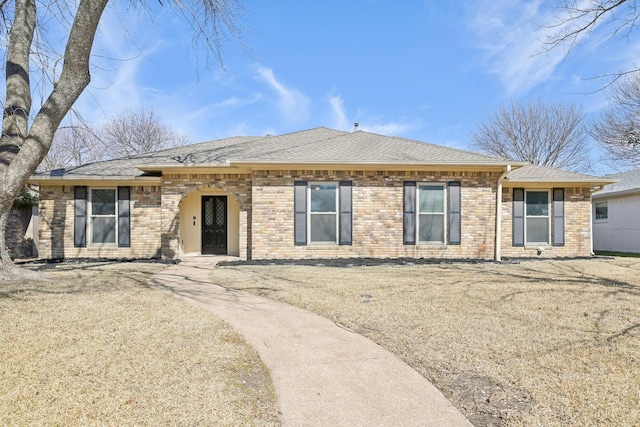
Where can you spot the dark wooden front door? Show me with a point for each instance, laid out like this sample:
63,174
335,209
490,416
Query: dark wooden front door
214,225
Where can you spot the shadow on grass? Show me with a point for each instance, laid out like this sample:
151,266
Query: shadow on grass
555,281
77,276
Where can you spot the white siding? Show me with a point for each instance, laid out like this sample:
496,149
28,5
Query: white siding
620,232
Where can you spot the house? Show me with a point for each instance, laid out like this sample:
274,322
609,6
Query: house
319,193
616,214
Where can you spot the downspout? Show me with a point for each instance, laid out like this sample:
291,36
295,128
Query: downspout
499,213
597,190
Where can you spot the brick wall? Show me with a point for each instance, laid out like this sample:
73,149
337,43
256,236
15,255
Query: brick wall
56,225
18,235
377,215
177,186
266,217
577,224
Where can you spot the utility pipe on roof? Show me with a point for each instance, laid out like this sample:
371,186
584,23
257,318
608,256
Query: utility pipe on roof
499,213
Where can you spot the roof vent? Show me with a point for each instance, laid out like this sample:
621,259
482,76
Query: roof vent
355,126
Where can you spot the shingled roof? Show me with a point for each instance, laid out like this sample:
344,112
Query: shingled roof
543,174
313,146
629,182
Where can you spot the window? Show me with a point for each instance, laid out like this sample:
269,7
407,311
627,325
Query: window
432,213
102,214
103,223
602,210
323,216
431,218
322,213
537,217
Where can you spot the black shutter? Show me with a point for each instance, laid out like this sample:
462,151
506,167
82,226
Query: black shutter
79,217
124,217
345,208
455,217
518,216
300,212
409,213
558,217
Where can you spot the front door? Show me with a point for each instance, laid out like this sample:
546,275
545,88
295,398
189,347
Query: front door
214,225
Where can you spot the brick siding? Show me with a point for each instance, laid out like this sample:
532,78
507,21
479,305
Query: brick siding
377,215
57,217
577,227
177,186
266,217
20,244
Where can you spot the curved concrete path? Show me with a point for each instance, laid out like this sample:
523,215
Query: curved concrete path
324,375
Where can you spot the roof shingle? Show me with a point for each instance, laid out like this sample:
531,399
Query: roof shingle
534,173
629,182
318,145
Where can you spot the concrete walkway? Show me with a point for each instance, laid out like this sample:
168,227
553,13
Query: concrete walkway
324,375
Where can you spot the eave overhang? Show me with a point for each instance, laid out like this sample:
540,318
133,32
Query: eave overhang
614,194
395,166
533,183
94,180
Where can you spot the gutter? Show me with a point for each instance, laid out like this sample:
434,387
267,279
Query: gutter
597,190
499,213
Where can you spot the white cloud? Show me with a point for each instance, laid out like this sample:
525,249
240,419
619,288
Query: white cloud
339,113
366,121
293,104
117,59
511,34
388,128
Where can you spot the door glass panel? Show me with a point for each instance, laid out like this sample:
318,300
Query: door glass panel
220,208
208,212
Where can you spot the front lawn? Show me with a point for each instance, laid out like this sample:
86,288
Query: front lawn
547,343
95,346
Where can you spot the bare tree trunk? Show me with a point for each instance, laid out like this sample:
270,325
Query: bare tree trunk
5,259
22,149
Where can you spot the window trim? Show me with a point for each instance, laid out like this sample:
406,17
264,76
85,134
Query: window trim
549,215
444,213
91,216
595,211
336,213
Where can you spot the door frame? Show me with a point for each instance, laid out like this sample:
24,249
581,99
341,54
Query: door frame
221,250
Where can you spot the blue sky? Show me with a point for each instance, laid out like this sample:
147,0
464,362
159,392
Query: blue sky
426,70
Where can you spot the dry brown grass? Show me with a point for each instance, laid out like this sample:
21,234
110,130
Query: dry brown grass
96,346
539,343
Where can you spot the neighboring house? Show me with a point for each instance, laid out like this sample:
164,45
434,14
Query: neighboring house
319,193
616,214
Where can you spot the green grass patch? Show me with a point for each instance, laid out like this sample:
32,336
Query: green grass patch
622,254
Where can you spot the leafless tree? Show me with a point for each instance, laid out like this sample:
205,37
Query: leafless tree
72,146
618,128
27,134
576,19
543,134
136,132
132,132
